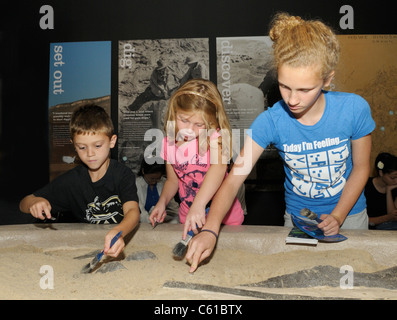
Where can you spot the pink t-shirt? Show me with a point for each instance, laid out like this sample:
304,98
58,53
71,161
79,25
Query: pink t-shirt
191,168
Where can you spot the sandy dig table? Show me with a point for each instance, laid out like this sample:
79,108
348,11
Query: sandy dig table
43,261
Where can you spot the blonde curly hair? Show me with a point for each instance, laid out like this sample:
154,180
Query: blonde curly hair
301,43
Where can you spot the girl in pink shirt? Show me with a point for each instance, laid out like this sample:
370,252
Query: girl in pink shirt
197,150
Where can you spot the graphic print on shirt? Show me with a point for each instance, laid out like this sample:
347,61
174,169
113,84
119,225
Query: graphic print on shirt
191,169
318,174
191,187
108,211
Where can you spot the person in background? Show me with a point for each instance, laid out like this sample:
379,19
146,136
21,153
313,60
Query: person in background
150,183
197,70
381,193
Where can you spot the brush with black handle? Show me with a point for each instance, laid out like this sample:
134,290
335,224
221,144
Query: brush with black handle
46,219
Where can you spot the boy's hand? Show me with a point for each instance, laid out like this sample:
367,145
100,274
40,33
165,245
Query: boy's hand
117,248
38,206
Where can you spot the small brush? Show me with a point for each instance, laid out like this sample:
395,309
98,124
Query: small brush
180,248
310,214
313,216
91,266
47,219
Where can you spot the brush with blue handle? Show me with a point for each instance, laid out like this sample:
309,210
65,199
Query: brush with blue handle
91,266
180,248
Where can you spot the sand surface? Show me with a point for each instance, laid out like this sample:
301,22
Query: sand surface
144,279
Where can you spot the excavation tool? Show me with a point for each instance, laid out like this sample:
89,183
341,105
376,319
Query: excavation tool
94,262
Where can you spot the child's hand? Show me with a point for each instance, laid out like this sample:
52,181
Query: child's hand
200,248
38,206
118,246
330,225
158,214
195,219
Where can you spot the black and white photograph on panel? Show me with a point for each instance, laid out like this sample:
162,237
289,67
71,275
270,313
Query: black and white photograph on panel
150,71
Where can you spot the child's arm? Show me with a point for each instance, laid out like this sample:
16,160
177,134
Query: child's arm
211,183
35,206
390,204
392,216
169,190
361,150
202,245
129,222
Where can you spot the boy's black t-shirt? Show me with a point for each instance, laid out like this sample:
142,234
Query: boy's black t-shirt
99,202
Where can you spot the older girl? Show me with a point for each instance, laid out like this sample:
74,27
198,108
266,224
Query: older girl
323,137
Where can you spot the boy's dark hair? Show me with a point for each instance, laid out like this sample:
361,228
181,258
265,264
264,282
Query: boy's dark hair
386,162
91,119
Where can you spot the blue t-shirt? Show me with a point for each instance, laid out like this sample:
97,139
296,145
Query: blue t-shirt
318,158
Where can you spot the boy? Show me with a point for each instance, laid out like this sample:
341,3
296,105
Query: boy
99,191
